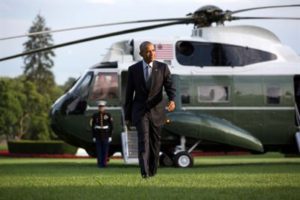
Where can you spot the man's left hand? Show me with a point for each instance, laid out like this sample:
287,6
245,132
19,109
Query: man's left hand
171,106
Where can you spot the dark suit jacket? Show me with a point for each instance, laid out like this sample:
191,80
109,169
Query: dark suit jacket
140,100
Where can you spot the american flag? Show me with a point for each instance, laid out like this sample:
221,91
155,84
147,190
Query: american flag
164,51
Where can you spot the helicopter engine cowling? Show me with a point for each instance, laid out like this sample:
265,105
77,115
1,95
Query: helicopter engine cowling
205,127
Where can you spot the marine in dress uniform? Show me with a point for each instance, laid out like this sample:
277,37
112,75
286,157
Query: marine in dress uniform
102,126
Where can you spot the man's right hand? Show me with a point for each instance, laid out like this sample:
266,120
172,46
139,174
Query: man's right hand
127,122
94,139
171,106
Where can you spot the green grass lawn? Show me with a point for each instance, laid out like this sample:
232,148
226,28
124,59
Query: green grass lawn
269,176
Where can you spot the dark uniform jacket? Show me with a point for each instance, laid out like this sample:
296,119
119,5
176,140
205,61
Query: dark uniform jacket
102,125
141,99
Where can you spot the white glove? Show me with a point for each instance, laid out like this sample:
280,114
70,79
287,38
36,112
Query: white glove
94,139
109,139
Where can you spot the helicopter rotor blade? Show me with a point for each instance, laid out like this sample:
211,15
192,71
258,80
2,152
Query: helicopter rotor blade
273,18
143,28
93,26
264,7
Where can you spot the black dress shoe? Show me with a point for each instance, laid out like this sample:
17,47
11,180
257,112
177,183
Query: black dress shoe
145,176
152,174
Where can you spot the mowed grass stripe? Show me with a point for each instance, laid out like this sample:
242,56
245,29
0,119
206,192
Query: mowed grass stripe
228,177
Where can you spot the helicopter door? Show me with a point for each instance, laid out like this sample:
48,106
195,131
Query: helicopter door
106,87
297,97
124,75
129,137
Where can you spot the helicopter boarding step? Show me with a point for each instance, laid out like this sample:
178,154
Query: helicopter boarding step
130,146
298,140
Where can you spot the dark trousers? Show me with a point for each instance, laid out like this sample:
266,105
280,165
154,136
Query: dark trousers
102,151
148,145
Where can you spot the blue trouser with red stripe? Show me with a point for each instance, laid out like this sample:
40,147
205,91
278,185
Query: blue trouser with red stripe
102,152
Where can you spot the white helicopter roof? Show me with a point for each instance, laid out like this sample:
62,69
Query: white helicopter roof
231,32
287,62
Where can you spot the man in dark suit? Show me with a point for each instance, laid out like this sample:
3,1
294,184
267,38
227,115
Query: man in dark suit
144,105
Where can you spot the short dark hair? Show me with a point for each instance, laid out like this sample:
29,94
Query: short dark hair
144,44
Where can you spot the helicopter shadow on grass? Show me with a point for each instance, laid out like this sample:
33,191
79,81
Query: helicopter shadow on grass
245,167
247,164
80,164
67,166
89,166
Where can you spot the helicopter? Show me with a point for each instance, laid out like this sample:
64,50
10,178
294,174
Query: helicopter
237,89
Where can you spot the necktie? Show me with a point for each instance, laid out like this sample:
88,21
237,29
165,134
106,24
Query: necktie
147,73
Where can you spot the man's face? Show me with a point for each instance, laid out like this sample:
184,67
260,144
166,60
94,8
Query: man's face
101,108
148,53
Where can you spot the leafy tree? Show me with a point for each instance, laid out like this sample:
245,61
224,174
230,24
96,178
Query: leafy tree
24,111
39,85
38,65
10,108
26,100
35,105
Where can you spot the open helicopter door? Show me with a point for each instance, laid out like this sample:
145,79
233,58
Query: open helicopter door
129,136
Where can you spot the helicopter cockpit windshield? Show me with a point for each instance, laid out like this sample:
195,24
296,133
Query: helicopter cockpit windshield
76,99
82,87
88,90
193,53
105,87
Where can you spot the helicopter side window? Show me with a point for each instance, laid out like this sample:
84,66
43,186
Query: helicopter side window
273,95
105,87
213,94
185,96
185,89
185,48
215,54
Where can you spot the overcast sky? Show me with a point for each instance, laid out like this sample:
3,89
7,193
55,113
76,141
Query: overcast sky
16,17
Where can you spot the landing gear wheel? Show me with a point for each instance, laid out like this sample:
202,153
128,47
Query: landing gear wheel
183,159
165,160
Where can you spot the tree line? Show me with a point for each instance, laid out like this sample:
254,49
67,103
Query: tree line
26,100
